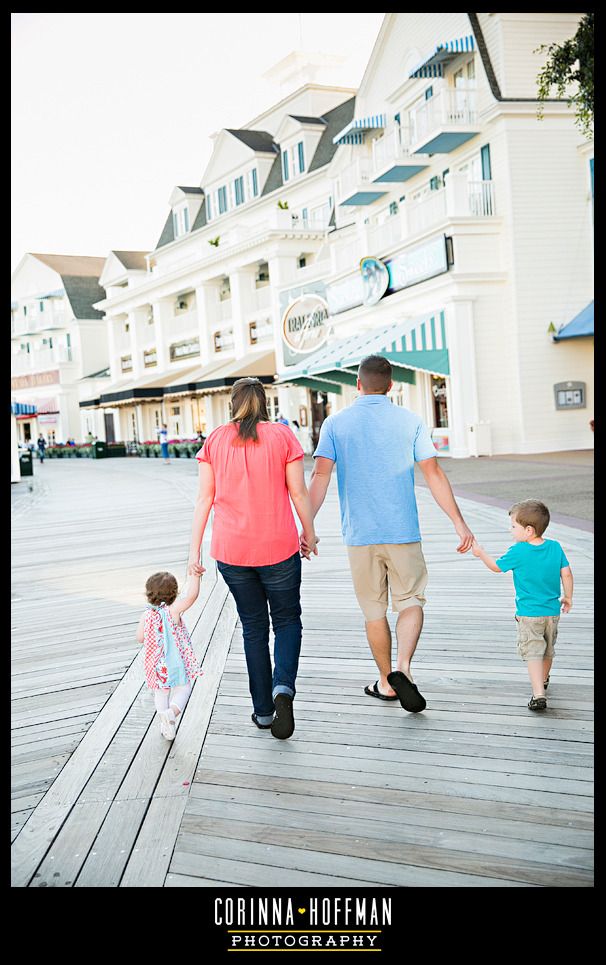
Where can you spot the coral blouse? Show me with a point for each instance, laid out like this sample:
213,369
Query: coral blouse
254,523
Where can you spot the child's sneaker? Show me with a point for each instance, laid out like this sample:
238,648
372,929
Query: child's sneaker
167,724
537,703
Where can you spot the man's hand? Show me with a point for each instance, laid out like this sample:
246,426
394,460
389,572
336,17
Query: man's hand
308,545
466,537
566,602
195,569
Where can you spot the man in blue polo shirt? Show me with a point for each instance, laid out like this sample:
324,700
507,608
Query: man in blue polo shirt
375,445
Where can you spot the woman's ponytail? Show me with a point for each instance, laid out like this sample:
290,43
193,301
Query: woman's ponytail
249,406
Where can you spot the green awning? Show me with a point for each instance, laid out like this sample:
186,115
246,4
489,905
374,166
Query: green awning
416,345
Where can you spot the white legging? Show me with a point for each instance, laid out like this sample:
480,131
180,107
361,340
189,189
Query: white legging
178,696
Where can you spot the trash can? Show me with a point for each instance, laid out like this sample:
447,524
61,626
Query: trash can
99,450
26,464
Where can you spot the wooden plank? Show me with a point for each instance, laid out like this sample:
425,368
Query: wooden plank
110,852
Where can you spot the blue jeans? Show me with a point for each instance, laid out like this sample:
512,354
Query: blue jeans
164,449
253,589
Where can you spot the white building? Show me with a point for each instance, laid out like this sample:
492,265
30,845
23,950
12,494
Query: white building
477,219
57,339
204,309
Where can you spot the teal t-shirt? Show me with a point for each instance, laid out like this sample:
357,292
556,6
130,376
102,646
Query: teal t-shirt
536,577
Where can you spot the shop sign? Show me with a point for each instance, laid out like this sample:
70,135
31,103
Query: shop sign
40,378
418,264
304,323
375,280
47,420
345,294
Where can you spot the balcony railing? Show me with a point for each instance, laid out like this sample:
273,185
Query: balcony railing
39,360
392,159
385,235
448,111
426,211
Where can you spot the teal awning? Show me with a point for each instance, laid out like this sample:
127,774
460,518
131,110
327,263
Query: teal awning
353,133
20,408
413,345
581,326
433,65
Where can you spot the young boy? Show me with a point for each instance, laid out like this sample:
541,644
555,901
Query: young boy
538,565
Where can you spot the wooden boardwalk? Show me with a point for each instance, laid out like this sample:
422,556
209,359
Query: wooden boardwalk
475,792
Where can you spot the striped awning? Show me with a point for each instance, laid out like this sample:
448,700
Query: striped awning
21,408
581,326
47,406
353,133
433,65
413,345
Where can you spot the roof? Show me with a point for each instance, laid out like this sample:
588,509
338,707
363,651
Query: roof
80,276
307,120
134,260
274,179
335,120
260,141
74,265
200,220
168,232
190,190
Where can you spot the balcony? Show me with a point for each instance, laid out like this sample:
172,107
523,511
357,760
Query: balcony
444,122
392,160
355,187
40,360
459,199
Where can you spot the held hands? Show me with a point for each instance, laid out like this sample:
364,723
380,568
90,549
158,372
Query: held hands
476,549
466,537
566,602
195,569
308,545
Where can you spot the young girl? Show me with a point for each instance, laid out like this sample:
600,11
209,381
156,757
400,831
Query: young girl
170,662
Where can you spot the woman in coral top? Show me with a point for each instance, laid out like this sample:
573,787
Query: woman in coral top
248,469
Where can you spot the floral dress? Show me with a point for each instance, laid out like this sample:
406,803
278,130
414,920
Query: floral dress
169,657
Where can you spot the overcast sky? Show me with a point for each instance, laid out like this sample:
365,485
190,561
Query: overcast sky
110,111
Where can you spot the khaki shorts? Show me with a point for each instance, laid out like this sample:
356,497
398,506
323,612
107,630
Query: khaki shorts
383,567
537,636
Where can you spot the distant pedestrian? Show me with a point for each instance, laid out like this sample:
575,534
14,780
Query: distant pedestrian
170,662
538,566
41,447
163,437
201,438
282,419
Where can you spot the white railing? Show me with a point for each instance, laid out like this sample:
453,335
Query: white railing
353,176
481,199
426,212
346,255
261,330
385,235
449,107
224,339
39,360
393,146
184,323
225,310
263,297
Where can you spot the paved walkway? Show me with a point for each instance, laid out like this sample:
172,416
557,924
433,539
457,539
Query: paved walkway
476,791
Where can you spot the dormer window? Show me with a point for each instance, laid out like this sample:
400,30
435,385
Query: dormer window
180,221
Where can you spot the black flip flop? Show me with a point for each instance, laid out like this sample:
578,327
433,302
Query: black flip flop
408,693
283,723
254,719
375,692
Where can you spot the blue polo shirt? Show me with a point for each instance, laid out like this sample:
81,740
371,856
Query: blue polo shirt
536,576
375,445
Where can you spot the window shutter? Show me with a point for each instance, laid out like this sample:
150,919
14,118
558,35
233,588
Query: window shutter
285,165
486,169
301,157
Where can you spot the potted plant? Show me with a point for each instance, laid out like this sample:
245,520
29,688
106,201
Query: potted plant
214,241
283,205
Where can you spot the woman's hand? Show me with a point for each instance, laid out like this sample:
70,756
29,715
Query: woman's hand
195,569
308,544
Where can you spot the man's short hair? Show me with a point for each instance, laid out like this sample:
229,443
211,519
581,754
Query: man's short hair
531,512
374,373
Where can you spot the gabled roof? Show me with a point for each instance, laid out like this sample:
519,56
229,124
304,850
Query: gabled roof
168,233
72,264
190,190
132,260
335,120
274,178
80,276
260,141
200,220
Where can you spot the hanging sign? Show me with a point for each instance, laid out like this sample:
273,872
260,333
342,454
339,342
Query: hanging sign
304,323
375,280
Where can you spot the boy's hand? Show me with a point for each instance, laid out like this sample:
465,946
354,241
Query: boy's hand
476,549
308,545
195,569
566,602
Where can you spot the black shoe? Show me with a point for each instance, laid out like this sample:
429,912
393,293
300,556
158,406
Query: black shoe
253,717
283,723
537,703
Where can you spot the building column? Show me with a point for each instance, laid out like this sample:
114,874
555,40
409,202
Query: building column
463,396
114,356
136,318
207,307
242,291
281,272
163,314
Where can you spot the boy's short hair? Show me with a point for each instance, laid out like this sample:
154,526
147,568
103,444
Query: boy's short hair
531,512
375,375
161,588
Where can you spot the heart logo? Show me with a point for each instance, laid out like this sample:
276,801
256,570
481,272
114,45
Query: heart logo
301,910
